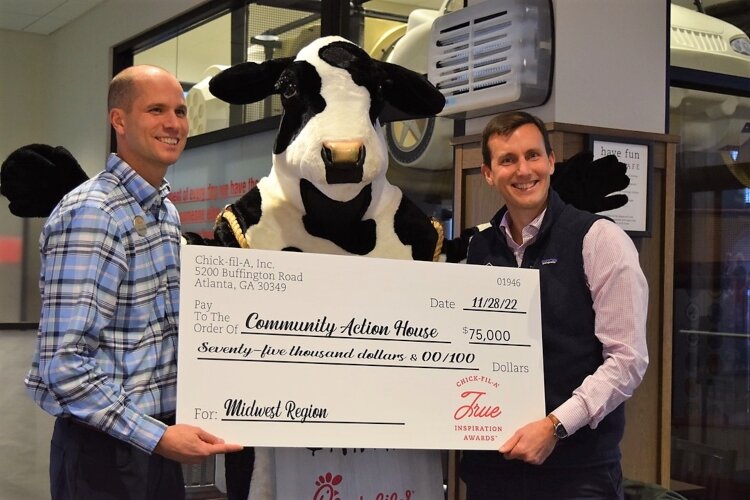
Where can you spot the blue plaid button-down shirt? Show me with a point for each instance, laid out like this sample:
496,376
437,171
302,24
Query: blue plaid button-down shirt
107,343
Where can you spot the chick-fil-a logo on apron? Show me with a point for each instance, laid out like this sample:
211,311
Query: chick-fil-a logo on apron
327,483
327,487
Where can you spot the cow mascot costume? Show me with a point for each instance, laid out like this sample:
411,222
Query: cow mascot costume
326,193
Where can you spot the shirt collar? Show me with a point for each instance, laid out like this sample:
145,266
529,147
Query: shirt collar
144,193
528,233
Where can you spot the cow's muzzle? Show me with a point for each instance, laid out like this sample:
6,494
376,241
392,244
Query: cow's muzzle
343,161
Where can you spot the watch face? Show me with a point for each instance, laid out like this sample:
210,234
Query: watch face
560,431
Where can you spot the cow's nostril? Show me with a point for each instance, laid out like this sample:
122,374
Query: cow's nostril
327,156
343,161
342,152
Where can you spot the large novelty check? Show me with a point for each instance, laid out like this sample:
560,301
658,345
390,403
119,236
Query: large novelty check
299,349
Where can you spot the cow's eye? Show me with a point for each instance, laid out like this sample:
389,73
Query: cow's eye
289,91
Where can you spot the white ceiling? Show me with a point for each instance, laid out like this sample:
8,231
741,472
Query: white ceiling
41,16
46,16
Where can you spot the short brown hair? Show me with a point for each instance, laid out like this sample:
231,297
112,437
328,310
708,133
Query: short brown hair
505,124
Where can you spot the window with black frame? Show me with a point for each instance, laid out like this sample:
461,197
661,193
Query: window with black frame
202,43
710,111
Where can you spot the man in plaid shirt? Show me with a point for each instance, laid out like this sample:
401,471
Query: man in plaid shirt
106,358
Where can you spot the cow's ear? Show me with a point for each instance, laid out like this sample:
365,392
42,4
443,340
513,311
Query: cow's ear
248,82
408,95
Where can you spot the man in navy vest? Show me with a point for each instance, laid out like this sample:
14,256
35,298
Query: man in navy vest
594,300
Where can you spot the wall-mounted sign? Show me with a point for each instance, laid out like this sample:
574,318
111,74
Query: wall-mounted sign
633,217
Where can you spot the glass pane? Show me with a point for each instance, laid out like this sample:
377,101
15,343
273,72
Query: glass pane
711,363
420,153
194,57
712,41
397,31
274,33
198,54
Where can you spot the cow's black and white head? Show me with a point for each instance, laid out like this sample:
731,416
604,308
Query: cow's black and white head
335,97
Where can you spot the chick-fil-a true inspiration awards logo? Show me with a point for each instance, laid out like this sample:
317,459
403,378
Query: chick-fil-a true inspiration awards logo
477,415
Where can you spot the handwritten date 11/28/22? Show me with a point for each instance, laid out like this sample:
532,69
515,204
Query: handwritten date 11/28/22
478,303
495,304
